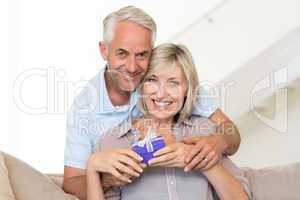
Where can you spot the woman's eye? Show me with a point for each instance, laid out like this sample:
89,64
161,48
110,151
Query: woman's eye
174,83
151,79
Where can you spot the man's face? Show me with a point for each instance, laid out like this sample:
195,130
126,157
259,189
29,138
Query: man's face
128,55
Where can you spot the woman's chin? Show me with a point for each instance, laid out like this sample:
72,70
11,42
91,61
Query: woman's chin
161,117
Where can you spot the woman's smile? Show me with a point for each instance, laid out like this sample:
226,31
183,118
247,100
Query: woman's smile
161,104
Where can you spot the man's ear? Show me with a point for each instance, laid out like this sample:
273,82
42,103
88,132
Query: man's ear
103,50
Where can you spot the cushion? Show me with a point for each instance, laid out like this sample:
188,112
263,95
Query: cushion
29,184
6,191
57,179
275,183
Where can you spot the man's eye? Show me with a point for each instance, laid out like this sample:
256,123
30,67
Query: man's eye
142,56
121,54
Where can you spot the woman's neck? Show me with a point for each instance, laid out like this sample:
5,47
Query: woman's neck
159,125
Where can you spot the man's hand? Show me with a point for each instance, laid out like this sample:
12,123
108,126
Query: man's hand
171,156
205,153
121,163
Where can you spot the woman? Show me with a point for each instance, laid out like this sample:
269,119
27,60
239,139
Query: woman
169,91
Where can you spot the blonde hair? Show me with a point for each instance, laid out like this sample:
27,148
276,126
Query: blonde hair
130,14
167,55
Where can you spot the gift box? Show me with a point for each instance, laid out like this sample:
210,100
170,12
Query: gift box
148,146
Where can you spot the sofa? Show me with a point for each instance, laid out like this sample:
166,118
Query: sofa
19,181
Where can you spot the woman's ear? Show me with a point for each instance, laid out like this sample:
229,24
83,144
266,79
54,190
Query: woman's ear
103,50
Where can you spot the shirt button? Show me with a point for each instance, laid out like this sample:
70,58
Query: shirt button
172,183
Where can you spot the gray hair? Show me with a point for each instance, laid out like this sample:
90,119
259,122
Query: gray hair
130,14
166,55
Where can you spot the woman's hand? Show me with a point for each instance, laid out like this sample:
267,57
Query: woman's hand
172,155
121,163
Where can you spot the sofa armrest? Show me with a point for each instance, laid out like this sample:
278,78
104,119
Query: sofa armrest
276,183
28,183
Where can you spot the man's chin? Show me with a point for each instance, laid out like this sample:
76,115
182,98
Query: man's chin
128,87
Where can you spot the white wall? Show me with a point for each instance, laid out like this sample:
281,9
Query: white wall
236,32
264,146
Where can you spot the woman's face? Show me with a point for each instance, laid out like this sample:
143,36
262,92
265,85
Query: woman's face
164,92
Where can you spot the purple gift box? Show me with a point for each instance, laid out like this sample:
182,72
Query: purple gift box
148,146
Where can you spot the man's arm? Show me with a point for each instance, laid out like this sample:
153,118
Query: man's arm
228,132
117,167
225,184
208,150
75,182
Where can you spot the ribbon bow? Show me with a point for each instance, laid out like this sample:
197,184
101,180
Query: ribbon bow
150,137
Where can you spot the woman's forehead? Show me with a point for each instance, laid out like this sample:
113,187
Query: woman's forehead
167,70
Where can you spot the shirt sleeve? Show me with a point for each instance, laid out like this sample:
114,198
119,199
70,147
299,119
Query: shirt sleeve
207,102
136,113
78,146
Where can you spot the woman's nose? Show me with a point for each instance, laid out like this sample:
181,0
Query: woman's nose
161,91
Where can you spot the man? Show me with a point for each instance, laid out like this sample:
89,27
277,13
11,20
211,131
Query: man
110,97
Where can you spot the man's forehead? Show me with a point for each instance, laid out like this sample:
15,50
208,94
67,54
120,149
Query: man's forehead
136,51
124,26
129,36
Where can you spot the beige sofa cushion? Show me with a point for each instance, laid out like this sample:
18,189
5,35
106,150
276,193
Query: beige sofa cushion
275,183
57,179
5,188
29,184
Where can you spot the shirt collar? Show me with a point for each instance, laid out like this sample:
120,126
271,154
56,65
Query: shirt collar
124,128
188,122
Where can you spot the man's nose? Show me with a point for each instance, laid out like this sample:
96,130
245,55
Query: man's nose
131,65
